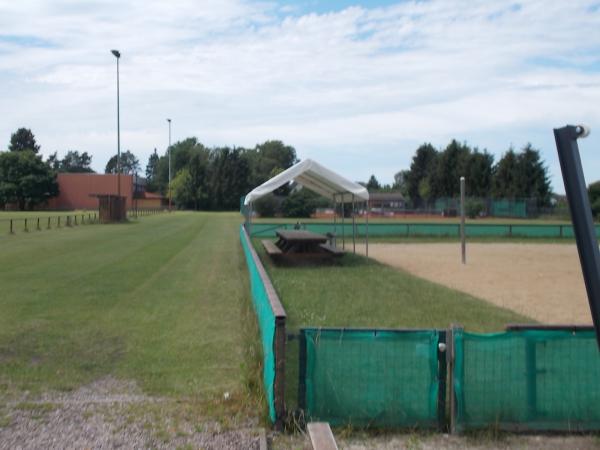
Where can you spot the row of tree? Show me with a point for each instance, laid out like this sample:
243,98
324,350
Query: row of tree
216,178
436,173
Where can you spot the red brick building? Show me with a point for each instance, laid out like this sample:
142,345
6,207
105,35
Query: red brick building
80,191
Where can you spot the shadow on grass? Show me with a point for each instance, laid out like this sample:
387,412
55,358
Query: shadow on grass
306,262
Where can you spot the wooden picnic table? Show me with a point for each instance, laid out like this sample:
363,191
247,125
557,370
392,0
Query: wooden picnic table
299,244
299,241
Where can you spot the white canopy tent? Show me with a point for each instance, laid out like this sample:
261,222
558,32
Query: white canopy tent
323,181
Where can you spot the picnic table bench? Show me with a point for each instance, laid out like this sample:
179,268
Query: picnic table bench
300,243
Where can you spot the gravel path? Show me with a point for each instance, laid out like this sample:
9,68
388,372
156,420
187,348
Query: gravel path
111,414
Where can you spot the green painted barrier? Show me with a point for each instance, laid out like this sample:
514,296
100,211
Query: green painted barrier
375,378
424,229
266,323
529,380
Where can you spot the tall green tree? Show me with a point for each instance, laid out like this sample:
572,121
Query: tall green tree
401,182
152,183
532,176
422,167
479,174
228,177
373,184
522,175
268,157
75,162
25,179
129,164
505,176
181,154
451,164
23,140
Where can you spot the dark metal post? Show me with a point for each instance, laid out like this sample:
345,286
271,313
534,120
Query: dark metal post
442,374
343,224
463,247
26,225
367,231
353,227
581,214
11,226
49,220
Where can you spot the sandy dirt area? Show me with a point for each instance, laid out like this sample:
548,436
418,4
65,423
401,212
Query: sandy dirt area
541,281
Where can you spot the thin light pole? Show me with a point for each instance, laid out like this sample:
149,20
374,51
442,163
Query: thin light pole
169,120
118,56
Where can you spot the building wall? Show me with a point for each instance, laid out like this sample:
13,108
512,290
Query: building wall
78,190
149,203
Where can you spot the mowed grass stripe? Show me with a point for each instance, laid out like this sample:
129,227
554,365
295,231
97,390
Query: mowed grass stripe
157,301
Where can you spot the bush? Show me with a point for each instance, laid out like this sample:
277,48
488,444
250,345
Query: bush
302,203
474,208
267,206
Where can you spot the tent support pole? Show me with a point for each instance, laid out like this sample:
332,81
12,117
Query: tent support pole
343,225
367,233
250,219
334,216
353,227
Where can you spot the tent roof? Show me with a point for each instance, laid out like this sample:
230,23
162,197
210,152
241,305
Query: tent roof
313,176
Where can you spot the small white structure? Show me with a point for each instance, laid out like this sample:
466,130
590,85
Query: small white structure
323,181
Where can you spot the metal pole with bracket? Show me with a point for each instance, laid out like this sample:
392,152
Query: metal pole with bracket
581,214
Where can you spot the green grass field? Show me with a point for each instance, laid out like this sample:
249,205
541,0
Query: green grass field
164,300
359,292
158,301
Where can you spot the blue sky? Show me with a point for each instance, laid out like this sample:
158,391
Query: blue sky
355,85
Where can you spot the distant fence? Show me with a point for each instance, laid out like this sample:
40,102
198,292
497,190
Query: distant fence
271,321
427,229
28,224
134,213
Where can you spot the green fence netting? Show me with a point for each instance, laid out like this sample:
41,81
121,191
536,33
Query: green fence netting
373,378
266,323
527,380
424,229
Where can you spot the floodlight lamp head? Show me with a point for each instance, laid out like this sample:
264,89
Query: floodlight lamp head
169,120
582,131
116,53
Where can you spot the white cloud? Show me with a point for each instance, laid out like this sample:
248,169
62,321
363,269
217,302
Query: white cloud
358,88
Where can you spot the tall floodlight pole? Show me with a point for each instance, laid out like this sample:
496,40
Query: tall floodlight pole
169,151
118,55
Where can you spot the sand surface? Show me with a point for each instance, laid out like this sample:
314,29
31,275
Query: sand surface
541,281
